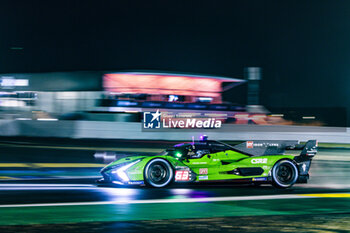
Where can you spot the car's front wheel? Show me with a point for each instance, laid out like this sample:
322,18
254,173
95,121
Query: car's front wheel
158,173
284,174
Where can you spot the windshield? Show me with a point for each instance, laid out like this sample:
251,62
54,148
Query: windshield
183,150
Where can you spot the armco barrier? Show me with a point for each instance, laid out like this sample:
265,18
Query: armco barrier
132,130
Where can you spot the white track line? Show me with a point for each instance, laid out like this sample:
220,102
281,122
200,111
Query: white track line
326,185
155,201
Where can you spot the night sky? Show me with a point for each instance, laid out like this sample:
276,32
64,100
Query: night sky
302,46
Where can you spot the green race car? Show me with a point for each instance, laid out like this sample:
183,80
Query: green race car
212,161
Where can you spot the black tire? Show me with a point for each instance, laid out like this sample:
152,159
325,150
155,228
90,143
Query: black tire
158,173
284,174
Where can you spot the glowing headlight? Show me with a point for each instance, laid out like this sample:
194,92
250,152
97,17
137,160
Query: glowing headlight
121,171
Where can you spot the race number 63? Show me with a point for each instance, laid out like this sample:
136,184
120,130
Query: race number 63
182,175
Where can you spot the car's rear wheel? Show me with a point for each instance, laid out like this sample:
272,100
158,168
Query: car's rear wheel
158,173
284,174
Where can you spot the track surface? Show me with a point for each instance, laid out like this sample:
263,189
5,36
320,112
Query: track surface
29,196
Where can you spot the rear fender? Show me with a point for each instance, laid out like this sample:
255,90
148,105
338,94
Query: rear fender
264,162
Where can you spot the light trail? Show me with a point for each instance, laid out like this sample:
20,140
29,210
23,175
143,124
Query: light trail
45,185
166,201
119,149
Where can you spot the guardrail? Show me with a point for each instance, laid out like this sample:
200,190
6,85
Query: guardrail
132,130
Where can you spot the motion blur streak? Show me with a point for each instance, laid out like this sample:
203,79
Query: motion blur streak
45,185
183,200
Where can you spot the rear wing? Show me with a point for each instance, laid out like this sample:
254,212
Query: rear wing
276,147
310,148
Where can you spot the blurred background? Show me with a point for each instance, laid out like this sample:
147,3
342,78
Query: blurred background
121,96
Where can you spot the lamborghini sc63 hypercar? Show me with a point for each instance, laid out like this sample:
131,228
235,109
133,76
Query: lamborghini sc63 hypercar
212,161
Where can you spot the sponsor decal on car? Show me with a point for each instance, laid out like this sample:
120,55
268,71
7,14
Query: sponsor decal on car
259,160
202,177
250,144
203,171
182,175
136,182
304,167
260,179
266,144
182,168
199,163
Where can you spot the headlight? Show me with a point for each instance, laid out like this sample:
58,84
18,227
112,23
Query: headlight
120,171
114,167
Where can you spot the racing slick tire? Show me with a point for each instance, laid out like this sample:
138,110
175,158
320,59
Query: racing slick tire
158,173
284,174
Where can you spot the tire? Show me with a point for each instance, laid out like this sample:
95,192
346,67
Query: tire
284,174
158,173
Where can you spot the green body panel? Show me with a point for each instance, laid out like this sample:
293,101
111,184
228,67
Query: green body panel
218,171
215,165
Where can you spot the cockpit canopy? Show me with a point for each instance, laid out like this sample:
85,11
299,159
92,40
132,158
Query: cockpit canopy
197,149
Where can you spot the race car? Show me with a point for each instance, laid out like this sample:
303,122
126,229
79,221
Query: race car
205,160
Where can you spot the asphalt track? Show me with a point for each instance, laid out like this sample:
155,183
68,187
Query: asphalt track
47,188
